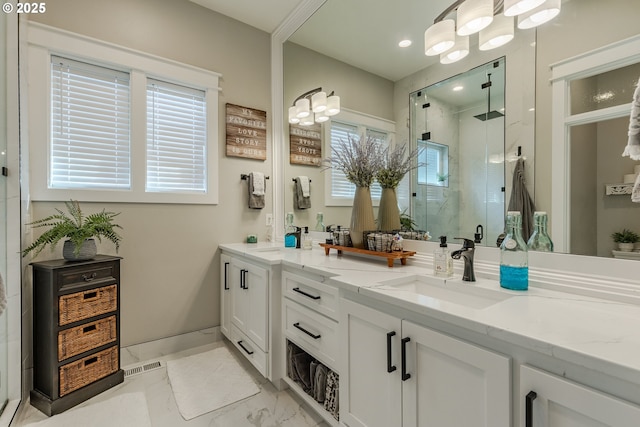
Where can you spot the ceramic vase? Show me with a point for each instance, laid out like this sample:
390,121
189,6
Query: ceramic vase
625,247
388,212
362,218
88,250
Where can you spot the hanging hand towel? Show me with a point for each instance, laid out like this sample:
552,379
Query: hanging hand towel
635,193
302,187
633,145
521,200
256,190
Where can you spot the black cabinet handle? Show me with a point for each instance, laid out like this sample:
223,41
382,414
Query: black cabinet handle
88,278
244,348
316,297
244,275
405,375
243,279
226,276
314,336
528,414
390,368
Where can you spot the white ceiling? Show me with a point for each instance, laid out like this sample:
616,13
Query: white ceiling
351,31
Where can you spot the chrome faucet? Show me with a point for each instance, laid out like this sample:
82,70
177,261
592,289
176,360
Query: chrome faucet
466,253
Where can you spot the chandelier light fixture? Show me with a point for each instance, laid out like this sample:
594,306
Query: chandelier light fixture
493,20
314,106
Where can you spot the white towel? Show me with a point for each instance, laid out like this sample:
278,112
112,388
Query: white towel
258,183
633,145
304,184
635,193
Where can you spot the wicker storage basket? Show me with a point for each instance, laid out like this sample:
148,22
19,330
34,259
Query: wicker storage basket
379,241
85,337
77,374
82,305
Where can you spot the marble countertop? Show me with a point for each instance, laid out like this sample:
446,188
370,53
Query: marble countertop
595,333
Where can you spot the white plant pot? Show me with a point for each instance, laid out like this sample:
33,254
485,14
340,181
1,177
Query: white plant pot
625,247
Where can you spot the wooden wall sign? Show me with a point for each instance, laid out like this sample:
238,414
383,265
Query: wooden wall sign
305,145
246,132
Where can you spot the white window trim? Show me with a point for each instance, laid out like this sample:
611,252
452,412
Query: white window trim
607,58
44,41
362,121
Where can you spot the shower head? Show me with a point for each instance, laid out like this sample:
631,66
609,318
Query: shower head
489,115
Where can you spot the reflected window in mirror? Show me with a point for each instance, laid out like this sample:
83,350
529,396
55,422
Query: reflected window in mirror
341,191
433,163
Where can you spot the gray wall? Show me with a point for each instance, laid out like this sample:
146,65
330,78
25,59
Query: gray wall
170,270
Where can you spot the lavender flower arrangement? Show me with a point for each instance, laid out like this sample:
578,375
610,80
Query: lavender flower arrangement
358,158
395,165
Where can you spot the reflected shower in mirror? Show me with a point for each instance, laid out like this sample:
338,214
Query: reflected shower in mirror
460,122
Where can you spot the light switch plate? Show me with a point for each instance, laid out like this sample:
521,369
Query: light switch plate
269,219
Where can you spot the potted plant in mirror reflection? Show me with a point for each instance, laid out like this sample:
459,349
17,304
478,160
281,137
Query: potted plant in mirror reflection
625,239
397,162
359,158
78,229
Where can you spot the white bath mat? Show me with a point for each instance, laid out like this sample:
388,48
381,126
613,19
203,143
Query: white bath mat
207,381
125,410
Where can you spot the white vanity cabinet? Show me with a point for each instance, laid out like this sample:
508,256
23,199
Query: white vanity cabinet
245,310
550,401
398,373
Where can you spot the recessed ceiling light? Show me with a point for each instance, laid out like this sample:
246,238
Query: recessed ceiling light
458,88
405,43
532,109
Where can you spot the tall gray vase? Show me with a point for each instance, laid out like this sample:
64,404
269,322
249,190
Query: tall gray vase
362,218
388,212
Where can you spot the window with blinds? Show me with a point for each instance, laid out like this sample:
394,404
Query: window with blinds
176,138
90,138
341,188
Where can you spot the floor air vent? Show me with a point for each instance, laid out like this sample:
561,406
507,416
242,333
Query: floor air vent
136,370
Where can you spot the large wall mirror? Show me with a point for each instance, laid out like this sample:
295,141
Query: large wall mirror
350,47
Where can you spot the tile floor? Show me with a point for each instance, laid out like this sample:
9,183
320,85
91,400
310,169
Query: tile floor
269,408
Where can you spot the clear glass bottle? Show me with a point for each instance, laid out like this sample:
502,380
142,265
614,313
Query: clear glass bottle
289,232
442,261
307,240
540,240
320,221
514,259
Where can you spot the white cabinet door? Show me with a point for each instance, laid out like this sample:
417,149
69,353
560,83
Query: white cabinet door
225,294
370,395
239,296
550,401
453,383
249,300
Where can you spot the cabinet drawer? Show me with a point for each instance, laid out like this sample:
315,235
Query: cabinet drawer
83,305
82,372
250,350
98,273
311,293
85,337
313,332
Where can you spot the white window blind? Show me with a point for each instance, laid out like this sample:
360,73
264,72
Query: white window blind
340,186
90,138
176,138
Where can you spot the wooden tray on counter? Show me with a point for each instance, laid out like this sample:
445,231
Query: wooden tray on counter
390,256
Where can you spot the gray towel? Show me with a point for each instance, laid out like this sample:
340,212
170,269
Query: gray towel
301,366
521,200
255,202
320,383
332,398
299,201
633,144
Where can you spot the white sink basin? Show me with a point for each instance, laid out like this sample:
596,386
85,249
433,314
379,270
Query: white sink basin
271,249
454,291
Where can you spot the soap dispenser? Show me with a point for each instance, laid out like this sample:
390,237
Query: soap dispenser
442,261
307,240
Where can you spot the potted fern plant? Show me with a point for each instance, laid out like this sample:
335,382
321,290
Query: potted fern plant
79,230
625,239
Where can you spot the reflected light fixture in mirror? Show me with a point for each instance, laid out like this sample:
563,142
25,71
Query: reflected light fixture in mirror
314,106
477,16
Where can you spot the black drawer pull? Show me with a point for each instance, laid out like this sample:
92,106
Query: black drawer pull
226,275
244,348
90,295
246,283
316,297
405,375
390,368
531,396
88,329
91,361
88,278
314,336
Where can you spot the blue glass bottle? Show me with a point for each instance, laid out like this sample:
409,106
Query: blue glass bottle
514,259
289,232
